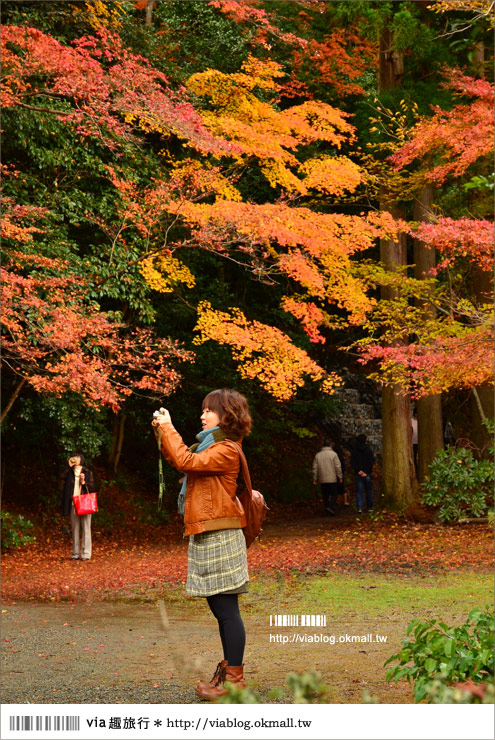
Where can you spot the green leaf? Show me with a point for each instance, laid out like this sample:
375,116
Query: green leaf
430,665
449,647
411,626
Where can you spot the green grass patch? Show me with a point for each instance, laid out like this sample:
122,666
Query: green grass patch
350,595
347,595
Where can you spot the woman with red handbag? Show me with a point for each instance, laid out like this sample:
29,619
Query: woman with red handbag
214,519
78,480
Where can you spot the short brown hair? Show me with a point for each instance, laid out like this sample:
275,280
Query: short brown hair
233,411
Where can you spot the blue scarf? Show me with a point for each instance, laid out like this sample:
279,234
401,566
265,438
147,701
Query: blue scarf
205,438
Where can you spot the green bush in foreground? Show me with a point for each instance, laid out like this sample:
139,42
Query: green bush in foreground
437,692
450,655
306,688
15,530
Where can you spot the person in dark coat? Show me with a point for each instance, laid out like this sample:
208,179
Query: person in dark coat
77,478
362,459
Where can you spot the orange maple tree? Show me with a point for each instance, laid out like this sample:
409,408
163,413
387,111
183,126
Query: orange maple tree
97,86
56,339
314,250
102,90
337,61
453,348
458,137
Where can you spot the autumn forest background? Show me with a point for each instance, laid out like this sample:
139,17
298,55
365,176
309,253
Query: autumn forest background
293,199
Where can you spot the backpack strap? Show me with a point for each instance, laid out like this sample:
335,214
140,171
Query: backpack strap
244,466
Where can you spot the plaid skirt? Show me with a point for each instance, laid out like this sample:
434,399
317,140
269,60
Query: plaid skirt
217,563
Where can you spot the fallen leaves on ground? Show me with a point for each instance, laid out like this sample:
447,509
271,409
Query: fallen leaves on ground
142,560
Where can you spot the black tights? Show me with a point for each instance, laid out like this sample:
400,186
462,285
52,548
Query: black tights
225,608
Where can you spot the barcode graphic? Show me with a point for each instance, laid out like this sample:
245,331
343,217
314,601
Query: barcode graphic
48,724
298,620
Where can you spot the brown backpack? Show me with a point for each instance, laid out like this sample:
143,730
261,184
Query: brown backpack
252,502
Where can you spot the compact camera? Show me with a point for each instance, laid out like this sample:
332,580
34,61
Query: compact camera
158,413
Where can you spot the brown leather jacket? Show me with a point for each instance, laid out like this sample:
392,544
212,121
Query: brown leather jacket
211,501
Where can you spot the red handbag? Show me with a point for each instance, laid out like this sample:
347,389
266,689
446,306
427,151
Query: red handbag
86,503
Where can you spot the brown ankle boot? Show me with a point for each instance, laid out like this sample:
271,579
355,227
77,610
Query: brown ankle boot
232,673
213,682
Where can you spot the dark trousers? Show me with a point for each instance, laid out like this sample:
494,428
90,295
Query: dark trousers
364,483
225,608
329,493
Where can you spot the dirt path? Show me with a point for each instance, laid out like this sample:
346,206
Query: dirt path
120,653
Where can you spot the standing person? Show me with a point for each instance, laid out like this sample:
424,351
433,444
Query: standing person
414,425
213,518
362,459
327,471
77,476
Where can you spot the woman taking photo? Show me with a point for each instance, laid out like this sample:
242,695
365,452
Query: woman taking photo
77,478
213,519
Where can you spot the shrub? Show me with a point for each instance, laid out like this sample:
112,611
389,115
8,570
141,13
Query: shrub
306,688
438,692
459,483
448,654
15,530
236,695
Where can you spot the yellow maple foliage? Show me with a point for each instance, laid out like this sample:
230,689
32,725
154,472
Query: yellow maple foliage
314,249
479,8
203,178
331,175
100,14
163,272
263,352
259,130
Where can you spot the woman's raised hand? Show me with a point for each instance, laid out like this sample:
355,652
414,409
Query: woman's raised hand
161,418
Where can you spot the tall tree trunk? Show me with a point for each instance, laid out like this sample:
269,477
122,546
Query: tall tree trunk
391,68
149,12
430,426
3,480
398,473
399,479
478,59
113,447
120,441
117,442
12,399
